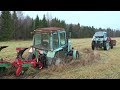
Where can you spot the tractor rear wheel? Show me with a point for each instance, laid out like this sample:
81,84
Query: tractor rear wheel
58,58
68,59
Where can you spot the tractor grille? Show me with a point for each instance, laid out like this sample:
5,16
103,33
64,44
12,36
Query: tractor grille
98,44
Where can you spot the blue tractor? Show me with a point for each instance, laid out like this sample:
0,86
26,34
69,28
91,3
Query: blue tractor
101,40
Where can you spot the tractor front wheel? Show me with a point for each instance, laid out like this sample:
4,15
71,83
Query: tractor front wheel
93,45
77,55
106,46
111,45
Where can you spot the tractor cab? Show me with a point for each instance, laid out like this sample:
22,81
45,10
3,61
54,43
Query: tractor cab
100,36
49,39
52,43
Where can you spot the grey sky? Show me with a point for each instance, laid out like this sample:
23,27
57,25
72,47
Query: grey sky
103,19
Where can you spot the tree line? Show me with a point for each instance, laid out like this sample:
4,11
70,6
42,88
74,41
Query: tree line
15,26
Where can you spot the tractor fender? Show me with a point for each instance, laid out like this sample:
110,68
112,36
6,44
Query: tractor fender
51,54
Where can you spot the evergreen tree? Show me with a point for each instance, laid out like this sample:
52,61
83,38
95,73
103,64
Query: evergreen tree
44,22
6,26
37,23
33,24
15,24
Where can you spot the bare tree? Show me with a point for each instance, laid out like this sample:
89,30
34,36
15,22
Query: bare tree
20,15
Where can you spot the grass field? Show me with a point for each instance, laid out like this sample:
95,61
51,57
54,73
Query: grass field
106,65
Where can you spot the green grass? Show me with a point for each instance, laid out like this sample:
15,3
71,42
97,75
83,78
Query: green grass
107,67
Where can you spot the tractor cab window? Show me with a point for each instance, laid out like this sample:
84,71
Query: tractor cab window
45,39
42,40
62,38
37,40
55,41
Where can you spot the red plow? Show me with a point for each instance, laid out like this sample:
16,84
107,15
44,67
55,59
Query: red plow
20,64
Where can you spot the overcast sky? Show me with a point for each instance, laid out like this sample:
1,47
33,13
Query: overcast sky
103,19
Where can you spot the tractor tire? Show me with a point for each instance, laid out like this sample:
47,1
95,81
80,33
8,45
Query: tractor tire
111,45
68,59
58,58
77,55
43,62
93,45
106,47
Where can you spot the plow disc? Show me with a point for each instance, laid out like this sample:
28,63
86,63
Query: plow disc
20,64
25,64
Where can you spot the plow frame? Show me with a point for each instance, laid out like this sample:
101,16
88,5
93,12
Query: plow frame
20,63
3,64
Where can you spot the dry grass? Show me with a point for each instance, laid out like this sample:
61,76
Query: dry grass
10,53
98,64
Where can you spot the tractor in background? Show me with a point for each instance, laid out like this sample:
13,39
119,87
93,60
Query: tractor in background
102,40
51,46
